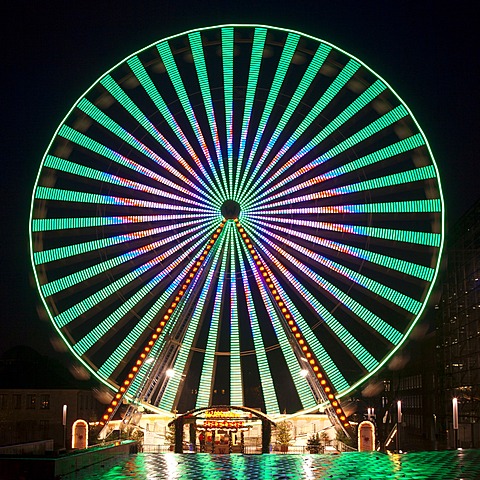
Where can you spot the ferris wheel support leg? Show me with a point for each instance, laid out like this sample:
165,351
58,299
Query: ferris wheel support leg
334,409
122,390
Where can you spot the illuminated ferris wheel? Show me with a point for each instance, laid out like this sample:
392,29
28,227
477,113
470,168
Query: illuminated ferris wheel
237,215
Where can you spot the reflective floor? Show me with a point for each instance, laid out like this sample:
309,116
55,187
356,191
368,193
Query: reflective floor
449,465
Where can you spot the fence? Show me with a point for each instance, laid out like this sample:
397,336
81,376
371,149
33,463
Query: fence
255,449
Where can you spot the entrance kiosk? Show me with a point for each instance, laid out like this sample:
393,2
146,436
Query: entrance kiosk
220,428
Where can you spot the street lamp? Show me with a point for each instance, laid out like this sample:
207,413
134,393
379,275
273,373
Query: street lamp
64,423
399,422
455,421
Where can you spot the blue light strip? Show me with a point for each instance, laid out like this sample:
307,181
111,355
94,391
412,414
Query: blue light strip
143,77
172,70
204,397
391,263
264,370
168,399
281,72
302,386
255,62
201,67
227,56
236,382
345,337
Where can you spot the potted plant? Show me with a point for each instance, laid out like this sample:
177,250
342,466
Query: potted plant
170,437
284,435
314,443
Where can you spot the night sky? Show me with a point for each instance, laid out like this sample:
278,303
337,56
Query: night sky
53,51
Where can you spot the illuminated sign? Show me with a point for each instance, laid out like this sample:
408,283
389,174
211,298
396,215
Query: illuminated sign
223,424
221,414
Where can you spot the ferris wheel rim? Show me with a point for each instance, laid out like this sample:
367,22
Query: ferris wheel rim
413,323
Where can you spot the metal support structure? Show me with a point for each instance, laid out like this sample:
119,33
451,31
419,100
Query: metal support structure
179,422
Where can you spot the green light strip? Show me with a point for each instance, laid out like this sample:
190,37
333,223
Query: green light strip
93,300
168,399
204,397
82,275
115,90
339,82
114,360
409,176
328,365
61,253
199,61
302,386
236,383
390,294
145,370
129,305
407,236
47,193
172,70
266,381
227,56
390,151
105,121
391,263
376,126
309,76
90,144
355,347
146,82
280,74
433,205
255,62
52,224
86,172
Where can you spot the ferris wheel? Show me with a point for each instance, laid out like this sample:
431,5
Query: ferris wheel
237,215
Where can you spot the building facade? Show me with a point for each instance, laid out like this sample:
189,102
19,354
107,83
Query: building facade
458,332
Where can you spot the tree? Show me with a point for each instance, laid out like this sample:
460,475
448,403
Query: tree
284,434
170,435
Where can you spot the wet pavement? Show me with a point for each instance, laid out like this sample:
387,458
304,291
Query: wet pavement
448,465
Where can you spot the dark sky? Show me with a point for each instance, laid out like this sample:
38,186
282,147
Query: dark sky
53,51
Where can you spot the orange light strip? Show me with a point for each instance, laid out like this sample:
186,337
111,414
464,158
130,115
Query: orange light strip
117,399
320,375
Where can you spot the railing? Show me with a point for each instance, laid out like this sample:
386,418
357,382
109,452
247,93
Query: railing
255,449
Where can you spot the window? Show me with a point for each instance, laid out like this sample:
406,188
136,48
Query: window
31,400
45,402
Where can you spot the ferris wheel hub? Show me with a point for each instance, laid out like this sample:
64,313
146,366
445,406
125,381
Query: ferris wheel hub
230,209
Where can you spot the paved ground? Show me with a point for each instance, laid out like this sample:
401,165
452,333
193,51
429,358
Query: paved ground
448,465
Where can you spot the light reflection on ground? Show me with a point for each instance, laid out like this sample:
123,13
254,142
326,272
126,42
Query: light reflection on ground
448,465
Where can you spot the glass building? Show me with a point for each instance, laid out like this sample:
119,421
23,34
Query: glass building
458,332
